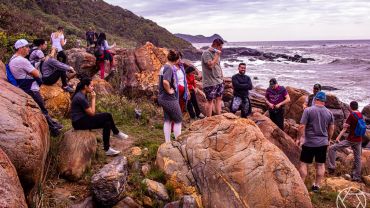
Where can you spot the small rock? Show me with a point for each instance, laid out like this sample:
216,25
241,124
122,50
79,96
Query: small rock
147,201
110,182
136,151
156,189
127,202
145,169
255,78
366,180
87,203
145,151
188,201
175,204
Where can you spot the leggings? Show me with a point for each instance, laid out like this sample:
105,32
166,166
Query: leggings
98,121
52,79
62,57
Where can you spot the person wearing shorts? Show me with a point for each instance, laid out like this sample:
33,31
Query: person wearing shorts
317,126
213,83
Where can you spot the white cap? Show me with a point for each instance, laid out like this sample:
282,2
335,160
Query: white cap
21,43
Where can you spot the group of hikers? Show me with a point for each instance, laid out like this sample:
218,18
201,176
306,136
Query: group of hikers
316,126
29,68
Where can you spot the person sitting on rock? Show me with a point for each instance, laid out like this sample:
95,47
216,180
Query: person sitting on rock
36,55
354,141
241,84
315,131
276,97
52,70
103,45
29,80
192,87
310,99
168,96
84,116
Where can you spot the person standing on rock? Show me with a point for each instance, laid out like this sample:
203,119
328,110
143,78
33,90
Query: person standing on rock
29,80
241,84
310,99
354,141
58,41
90,37
103,45
192,106
84,116
213,83
276,97
53,70
315,131
168,96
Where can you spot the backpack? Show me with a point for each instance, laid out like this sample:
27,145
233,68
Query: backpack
29,54
10,76
360,129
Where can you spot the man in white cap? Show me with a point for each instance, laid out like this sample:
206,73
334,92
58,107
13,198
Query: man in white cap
29,79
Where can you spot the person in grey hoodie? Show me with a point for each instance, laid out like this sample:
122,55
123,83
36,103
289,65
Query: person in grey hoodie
52,70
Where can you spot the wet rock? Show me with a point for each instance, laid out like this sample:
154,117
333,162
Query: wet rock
76,151
24,137
110,182
156,189
11,191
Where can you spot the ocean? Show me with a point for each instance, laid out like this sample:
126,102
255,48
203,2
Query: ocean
341,64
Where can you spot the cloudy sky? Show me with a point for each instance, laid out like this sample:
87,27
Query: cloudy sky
252,20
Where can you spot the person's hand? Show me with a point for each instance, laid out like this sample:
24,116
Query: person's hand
65,41
93,95
171,91
345,125
72,70
278,106
337,139
271,106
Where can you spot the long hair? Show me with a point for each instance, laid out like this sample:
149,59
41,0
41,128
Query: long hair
101,39
80,86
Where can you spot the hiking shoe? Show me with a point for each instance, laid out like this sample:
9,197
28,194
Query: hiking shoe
112,152
68,89
201,116
315,189
121,135
331,171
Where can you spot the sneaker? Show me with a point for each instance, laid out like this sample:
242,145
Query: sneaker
201,116
315,189
68,89
112,152
121,135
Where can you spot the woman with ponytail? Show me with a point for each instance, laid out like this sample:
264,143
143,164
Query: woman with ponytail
169,96
84,116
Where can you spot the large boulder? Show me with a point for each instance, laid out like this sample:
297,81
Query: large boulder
139,69
278,137
294,109
83,62
365,161
24,136
234,165
57,101
76,150
11,191
110,182
102,87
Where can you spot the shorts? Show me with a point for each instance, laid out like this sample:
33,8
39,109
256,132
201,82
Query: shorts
212,92
309,153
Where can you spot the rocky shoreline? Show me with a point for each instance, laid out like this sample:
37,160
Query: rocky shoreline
217,161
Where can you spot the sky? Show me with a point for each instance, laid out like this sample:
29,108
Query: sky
263,20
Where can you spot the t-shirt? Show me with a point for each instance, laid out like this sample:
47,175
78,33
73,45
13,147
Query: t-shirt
211,77
276,96
78,107
55,41
317,120
36,56
190,78
166,73
180,77
21,69
352,122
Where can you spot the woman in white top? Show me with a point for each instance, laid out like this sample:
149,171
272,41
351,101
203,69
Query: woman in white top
182,84
58,41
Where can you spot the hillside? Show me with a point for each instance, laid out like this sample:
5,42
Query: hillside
198,38
38,18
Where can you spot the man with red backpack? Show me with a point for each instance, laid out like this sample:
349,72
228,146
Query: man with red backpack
357,128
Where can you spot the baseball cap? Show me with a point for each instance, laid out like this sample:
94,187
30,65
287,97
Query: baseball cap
321,96
21,43
273,82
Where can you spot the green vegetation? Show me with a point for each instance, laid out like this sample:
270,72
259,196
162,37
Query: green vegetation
41,18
